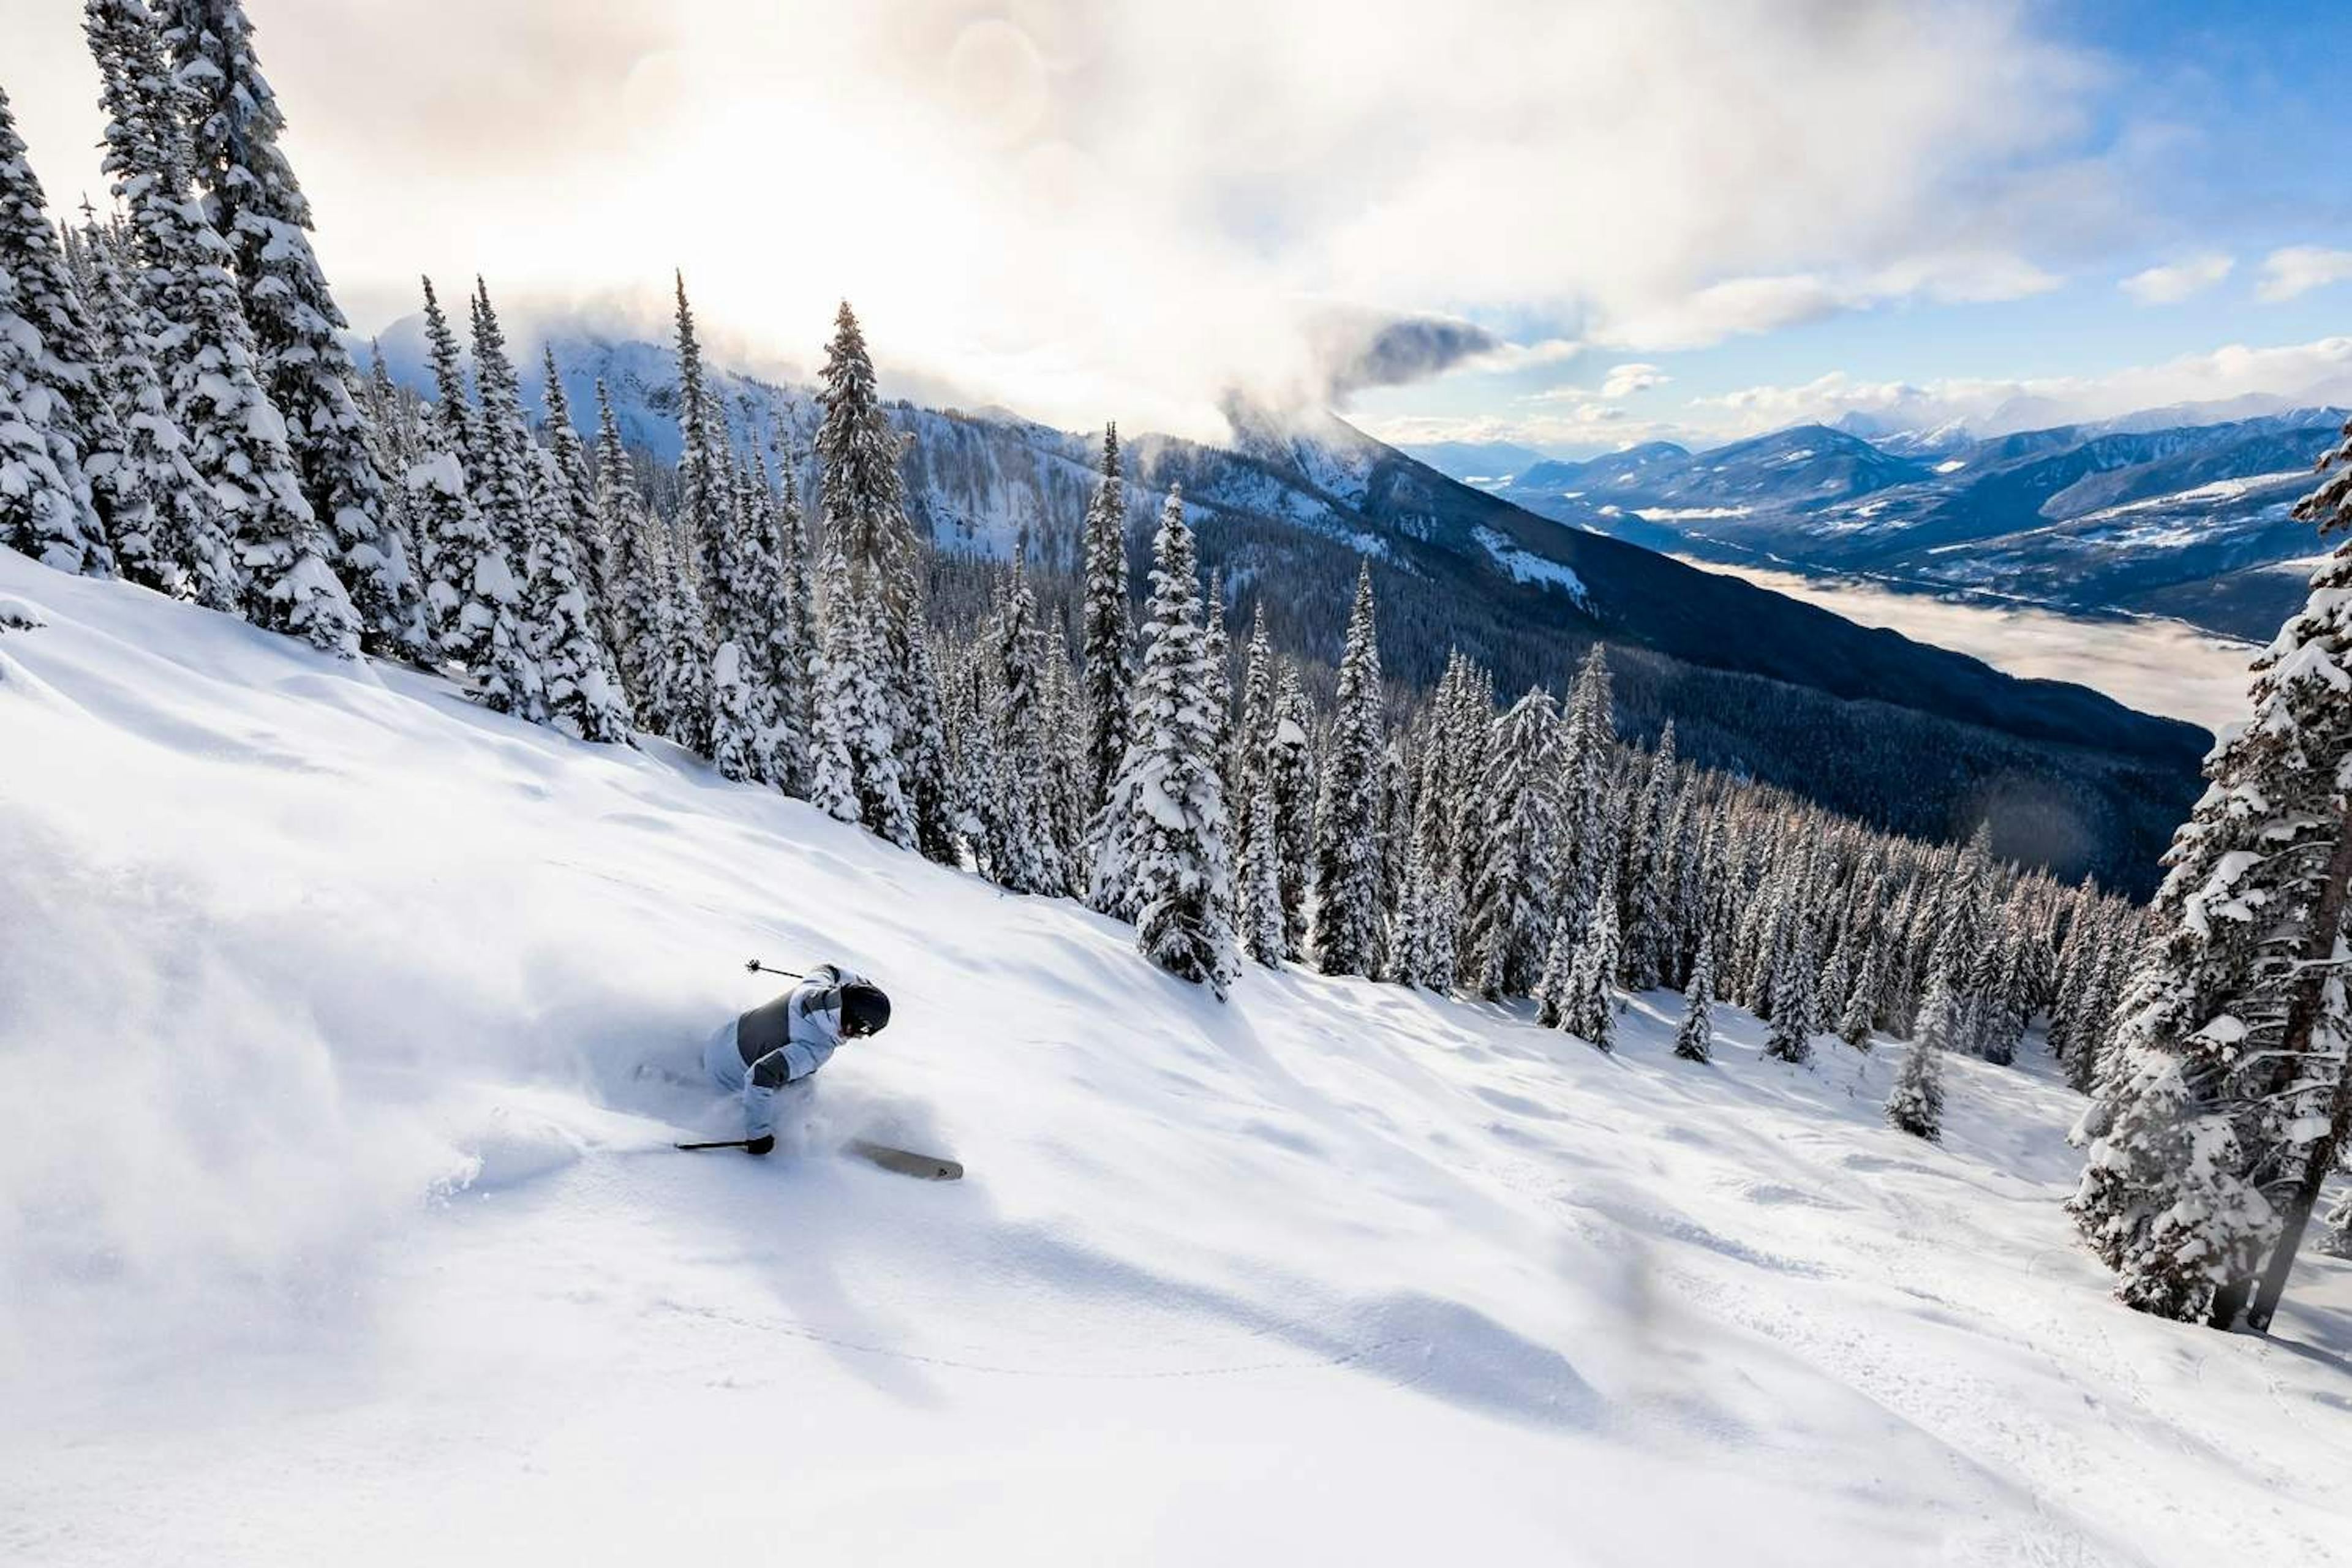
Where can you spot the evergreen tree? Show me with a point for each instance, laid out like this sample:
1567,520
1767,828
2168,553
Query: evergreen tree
1261,892
865,516
237,436
1554,987
792,641
1348,848
1649,936
61,450
1694,1039
1106,641
923,737
506,481
1915,1103
1512,910
678,674
1792,1036
252,200
1590,1010
1167,788
636,584
177,543
2224,1091
1855,1019
1245,763
2336,1240
575,503
1290,769
1584,796
1028,858
1425,928
856,776
456,537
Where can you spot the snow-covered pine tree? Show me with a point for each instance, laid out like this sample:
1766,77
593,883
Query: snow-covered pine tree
1649,933
1554,987
1261,890
636,582
1586,740
972,752
2001,1012
1168,787
680,671
451,539
252,200
923,731
1291,766
1106,637
475,595
1424,931
702,513
901,786
1915,1103
236,436
1694,1038
1790,1038
856,776
2336,1240
1064,762
742,562
1028,859
1512,911
1589,1009
185,550
1469,724
792,638
1245,760
1347,815
507,487
583,690
62,506
2226,1089
1855,1018
591,552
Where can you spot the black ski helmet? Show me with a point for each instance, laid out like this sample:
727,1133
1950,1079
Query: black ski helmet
864,1010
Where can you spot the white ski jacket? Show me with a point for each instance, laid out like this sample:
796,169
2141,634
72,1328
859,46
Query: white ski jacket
781,1043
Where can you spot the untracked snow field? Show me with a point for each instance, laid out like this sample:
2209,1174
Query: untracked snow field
338,1223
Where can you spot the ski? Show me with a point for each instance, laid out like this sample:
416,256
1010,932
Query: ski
905,1161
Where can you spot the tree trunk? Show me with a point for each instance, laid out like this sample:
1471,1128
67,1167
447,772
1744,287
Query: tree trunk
2302,1018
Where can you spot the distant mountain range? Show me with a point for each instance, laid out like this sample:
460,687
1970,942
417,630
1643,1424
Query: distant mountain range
2135,514
1912,736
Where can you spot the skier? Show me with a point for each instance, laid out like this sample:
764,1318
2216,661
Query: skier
787,1041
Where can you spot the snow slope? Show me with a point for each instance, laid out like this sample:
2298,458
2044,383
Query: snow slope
336,1225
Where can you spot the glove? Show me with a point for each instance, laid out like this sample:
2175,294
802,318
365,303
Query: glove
761,1145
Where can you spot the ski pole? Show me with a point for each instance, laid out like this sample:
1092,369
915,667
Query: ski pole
722,1144
753,966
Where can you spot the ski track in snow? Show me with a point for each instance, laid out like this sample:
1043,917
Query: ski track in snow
337,1219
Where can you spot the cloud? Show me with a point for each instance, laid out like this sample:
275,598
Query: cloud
2245,380
1740,306
1625,380
1359,351
1084,211
2231,382
2172,283
2298,269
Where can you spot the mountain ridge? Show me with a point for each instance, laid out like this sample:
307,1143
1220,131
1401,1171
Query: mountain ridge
1910,737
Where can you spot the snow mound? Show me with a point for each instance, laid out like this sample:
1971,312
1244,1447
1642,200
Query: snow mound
345,1030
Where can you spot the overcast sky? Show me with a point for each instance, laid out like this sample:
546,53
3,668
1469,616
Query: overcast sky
1566,224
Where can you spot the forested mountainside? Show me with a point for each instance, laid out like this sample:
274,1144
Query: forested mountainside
1910,737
